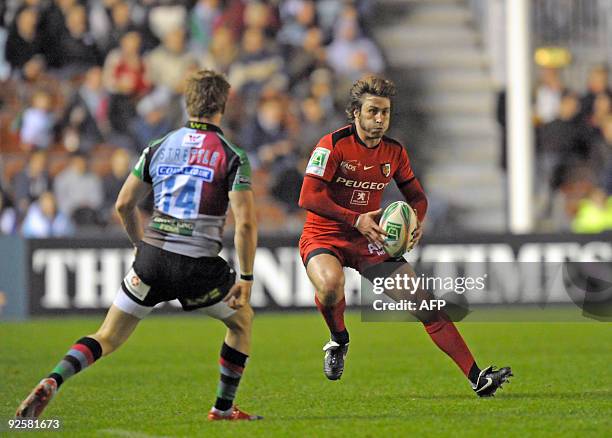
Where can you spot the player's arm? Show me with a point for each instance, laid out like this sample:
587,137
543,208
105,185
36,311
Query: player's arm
413,192
132,192
315,197
245,237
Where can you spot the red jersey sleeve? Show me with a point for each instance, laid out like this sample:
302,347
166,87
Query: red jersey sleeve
404,172
410,186
315,197
324,160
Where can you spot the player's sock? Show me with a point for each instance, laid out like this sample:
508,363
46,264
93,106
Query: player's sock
231,364
445,335
334,317
473,374
82,354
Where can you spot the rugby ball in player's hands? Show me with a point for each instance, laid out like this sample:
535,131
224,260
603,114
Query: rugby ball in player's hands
399,221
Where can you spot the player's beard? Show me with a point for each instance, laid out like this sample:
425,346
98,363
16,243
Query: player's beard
371,133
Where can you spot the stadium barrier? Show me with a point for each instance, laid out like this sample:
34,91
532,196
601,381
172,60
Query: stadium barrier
81,276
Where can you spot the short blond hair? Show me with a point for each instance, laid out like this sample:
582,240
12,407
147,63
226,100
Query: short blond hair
206,93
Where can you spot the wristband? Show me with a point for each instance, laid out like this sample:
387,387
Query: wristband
246,277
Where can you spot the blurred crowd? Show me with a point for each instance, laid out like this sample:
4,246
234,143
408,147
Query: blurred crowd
86,84
574,152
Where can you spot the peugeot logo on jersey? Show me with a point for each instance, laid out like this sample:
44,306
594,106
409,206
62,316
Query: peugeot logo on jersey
372,185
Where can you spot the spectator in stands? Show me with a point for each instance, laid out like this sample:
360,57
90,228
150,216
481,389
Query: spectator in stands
33,76
259,15
598,83
594,213
328,12
23,40
54,26
85,122
110,21
167,16
8,214
203,21
232,17
314,124
298,16
562,142
577,184
32,181
44,220
222,51
602,157
548,96
126,79
287,179
351,55
266,136
120,168
308,57
77,46
168,63
100,24
255,65
37,123
602,105
321,87
78,190
153,119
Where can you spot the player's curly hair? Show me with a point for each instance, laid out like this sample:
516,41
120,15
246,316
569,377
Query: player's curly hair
206,93
374,85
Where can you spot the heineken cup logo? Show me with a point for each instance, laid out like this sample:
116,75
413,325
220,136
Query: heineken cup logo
393,231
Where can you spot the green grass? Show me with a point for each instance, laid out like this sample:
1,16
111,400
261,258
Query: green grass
162,382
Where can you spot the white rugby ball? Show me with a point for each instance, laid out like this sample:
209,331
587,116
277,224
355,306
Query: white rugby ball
398,220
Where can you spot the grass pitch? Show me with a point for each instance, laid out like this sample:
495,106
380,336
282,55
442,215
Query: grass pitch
396,382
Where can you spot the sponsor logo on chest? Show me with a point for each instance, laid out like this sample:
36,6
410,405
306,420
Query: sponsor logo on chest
369,185
350,166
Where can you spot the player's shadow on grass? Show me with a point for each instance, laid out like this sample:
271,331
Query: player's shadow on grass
341,417
590,395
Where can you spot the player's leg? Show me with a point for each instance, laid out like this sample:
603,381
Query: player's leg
442,331
325,272
235,351
121,320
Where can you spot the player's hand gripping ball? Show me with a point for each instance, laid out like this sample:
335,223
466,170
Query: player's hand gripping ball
399,221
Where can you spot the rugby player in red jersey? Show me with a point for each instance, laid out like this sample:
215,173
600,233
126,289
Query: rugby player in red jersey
342,190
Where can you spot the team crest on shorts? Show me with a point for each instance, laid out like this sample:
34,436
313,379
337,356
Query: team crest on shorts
386,169
135,281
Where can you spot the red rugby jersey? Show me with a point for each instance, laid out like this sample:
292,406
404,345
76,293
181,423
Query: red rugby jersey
357,175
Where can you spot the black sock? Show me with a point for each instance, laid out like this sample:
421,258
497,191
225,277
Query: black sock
474,372
340,337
